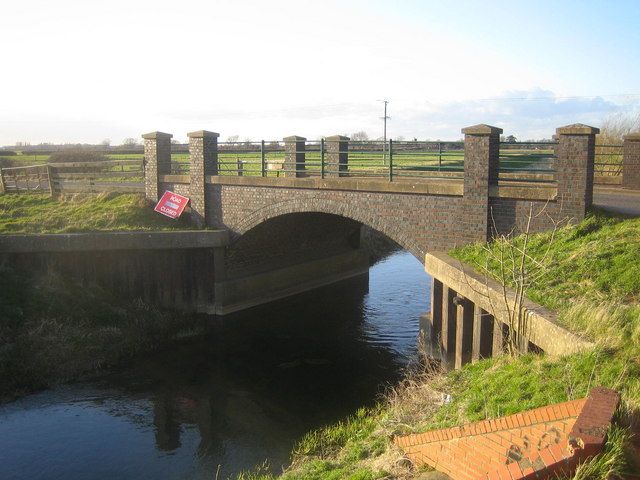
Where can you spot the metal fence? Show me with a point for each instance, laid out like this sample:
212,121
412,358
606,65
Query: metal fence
326,158
608,160
527,161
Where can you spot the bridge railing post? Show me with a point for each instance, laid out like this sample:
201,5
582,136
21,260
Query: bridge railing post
294,156
337,155
322,147
574,169
157,161
203,158
481,165
631,161
390,160
263,162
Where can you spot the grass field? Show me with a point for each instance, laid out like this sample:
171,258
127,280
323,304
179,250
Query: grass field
37,213
594,283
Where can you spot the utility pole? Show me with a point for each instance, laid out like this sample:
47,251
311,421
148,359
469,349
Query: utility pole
384,119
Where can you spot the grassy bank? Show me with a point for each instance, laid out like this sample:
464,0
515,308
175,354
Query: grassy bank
38,213
594,283
53,330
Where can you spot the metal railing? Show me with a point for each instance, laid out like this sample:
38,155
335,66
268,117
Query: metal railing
608,160
324,158
527,161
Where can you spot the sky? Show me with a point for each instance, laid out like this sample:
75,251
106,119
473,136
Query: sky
85,71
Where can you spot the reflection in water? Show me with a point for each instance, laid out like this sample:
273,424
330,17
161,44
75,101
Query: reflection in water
243,393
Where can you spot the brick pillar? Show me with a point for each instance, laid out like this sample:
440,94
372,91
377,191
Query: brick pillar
631,161
294,153
337,159
157,161
481,162
574,169
203,158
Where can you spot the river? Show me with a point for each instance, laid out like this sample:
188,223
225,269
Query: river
228,400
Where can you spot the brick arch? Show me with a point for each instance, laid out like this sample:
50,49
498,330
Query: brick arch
364,215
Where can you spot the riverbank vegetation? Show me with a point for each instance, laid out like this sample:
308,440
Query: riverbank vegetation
53,330
593,281
39,213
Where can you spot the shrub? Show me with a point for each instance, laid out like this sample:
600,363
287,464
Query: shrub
6,162
7,153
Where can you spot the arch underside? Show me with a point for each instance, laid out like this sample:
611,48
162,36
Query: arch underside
389,226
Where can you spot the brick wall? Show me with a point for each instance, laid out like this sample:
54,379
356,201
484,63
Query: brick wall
535,444
418,223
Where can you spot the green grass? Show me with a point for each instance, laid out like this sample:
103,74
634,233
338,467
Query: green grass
594,284
39,213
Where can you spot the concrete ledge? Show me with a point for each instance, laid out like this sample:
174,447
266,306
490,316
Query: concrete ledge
104,241
523,191
444,186
170,178
545,332
430,187
234,295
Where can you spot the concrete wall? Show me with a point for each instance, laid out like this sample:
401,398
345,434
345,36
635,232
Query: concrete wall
471,319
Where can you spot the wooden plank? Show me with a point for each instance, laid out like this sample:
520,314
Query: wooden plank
101,188
109,174
106,163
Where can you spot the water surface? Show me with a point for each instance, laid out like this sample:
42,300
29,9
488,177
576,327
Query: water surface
233,398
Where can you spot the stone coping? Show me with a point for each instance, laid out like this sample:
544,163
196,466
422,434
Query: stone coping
105,241
544,329
444,186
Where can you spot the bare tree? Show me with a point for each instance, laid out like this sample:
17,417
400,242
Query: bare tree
130,142
106,142
233,138
360,136
508,259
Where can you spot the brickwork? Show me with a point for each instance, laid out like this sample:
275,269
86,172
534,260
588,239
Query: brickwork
481,157
574,166
337,158
294,156
291,239
203,156
536,444
157,161
418,223
420,216
507,214
631,162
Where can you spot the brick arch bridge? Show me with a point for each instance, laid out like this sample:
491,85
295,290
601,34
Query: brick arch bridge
392,226
420,214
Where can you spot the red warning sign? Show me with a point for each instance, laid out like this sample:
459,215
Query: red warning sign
171,204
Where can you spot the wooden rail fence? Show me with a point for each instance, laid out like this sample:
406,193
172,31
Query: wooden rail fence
123,175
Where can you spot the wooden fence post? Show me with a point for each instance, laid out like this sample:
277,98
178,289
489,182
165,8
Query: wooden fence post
50,180
2,187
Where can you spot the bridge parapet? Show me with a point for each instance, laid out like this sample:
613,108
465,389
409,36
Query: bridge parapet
454,197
